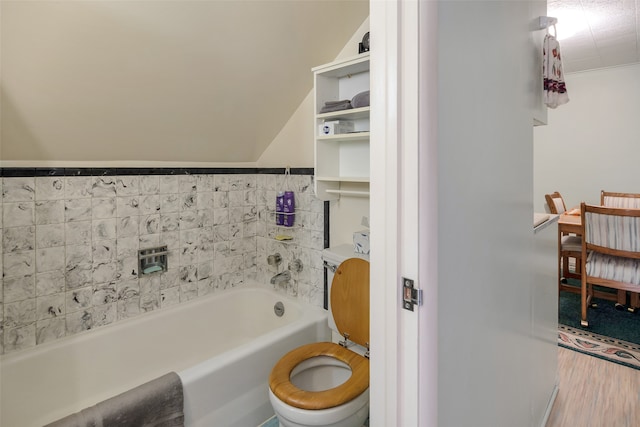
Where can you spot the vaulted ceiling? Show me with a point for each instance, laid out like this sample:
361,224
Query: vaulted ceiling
182,80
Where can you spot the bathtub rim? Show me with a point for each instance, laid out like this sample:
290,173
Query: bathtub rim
307,315
17,355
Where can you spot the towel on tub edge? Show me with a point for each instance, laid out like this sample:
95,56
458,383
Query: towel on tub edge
158,403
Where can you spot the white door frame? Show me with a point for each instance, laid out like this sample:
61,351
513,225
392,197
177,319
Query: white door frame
428,213
403,211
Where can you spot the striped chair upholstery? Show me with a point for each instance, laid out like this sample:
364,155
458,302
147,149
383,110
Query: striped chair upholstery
610,251
620,200
613,268
612,231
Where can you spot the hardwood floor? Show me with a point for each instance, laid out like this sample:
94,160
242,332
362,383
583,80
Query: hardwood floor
595,393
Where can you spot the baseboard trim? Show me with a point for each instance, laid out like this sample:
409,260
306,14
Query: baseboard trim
552,400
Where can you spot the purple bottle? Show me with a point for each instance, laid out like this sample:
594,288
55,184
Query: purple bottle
280,208
289,208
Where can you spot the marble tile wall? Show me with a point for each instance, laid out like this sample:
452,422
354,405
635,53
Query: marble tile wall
70,243
307,232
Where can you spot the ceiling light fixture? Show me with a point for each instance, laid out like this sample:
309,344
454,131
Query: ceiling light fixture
572,21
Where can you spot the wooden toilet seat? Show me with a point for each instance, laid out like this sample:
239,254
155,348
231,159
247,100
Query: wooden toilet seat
350,300
350,308
283,389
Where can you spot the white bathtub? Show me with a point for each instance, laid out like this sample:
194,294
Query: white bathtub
223,346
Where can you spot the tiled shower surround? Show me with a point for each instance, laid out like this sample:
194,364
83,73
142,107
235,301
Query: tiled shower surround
69,253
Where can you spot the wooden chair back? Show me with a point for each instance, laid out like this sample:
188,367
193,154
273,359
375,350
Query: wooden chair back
610,250
620,200
555,203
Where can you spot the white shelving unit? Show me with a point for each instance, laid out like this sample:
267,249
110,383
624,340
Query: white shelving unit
342,160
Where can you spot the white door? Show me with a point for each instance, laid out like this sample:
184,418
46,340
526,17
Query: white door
477,170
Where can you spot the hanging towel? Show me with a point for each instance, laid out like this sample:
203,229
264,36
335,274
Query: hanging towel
157,403
555,90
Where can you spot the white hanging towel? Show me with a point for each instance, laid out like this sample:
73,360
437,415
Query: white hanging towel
555,90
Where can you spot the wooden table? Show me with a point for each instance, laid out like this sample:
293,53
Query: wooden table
569,224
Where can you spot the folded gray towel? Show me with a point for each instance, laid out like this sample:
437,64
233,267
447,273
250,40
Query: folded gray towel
360,100
157,403
333,103
330,106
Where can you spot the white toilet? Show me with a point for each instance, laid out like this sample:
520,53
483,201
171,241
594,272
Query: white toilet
326,384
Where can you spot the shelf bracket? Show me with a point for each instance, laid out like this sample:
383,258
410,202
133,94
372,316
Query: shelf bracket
547,21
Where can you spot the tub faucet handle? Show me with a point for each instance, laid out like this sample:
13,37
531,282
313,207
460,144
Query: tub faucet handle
296,265
274,259
280,278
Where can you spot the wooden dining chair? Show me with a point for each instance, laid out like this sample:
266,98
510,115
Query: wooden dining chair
555,202
570,246
610,252
621,200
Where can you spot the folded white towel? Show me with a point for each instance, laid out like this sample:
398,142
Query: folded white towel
555,90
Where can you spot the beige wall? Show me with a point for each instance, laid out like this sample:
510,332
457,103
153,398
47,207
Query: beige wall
592,142
188,81
293,146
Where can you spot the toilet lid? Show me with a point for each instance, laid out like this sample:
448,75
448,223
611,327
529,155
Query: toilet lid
350,299
281,386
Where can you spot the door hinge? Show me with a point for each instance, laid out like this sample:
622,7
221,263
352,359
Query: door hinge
410,295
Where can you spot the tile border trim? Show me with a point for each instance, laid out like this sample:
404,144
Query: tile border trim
35,172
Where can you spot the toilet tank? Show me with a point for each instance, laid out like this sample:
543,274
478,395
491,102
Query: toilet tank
332,257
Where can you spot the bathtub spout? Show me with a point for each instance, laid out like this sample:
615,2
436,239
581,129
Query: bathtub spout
285,276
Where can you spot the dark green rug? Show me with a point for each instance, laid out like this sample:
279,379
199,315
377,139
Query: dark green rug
612,335
604,320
